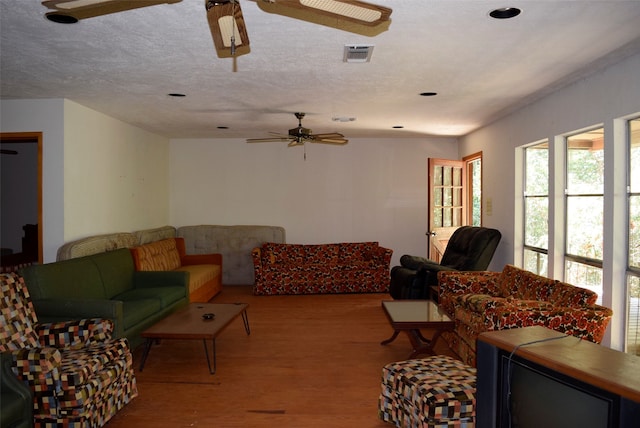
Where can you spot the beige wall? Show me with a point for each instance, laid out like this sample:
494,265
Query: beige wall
370,189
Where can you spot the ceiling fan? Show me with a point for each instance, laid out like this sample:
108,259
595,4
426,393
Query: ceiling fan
226,21
300,135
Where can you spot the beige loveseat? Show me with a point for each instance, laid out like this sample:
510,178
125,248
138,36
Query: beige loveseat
514,298
205,270
234,242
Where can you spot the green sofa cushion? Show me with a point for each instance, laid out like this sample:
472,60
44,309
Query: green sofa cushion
64,280
116,268
138,310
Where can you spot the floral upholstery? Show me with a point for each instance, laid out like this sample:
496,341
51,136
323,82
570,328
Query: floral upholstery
515,298
78,375
434,392
357,267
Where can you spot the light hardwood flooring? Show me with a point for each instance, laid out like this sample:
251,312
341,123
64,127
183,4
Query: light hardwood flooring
310,361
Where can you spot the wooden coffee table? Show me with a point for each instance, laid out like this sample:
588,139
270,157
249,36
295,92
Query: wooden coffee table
412,315
196,321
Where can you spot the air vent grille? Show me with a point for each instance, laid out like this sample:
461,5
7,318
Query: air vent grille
357,53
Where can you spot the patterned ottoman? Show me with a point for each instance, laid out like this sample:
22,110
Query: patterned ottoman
434,392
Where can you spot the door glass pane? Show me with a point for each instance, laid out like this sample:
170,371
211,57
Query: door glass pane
446,217
457,217
457,197
446,176
437,195
437,217
457,177
437,176
448,197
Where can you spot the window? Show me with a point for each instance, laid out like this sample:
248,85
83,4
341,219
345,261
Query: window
536,208
474,188
633,269
584,209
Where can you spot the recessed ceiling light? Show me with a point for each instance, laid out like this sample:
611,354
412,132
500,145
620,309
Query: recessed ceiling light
428,94
176,95
397,127
61,18
343,119
505,12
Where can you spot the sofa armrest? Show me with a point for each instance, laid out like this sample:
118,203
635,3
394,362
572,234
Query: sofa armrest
145,279
382,256
32,363
588,323
11,383
51,310
455,283
74,333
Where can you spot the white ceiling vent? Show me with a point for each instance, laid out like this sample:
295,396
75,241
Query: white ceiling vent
357,53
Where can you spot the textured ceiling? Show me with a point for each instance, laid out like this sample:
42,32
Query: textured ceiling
125,64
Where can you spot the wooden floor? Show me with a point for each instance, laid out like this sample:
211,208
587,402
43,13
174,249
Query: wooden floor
310,361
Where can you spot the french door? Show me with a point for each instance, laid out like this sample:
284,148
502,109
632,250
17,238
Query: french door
447,203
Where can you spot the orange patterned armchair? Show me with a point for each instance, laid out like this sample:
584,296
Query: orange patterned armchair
514,298
78,375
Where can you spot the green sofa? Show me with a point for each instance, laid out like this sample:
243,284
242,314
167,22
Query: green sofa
106,285
16,403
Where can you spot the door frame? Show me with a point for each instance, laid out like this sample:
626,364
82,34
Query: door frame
31,137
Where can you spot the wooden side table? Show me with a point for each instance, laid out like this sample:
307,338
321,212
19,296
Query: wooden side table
412,315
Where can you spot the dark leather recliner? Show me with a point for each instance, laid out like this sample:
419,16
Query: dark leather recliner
470,248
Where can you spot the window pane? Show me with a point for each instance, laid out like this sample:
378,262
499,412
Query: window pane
536,228
584,276
634,197
535,262
537,170
584,226
634,231
536,205
585,163
476,192
633,318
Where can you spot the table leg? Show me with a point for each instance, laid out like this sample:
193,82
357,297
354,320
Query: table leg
245,320
206,351
145,352
391,339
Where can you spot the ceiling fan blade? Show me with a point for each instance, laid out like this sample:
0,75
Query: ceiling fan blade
228,30
348,15
268,140
333,135
337,141
69,11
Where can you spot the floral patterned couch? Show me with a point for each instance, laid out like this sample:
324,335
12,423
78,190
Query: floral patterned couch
354,267
514,298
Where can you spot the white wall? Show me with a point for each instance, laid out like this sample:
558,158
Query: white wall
116,175
369,189
603,96
100,175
